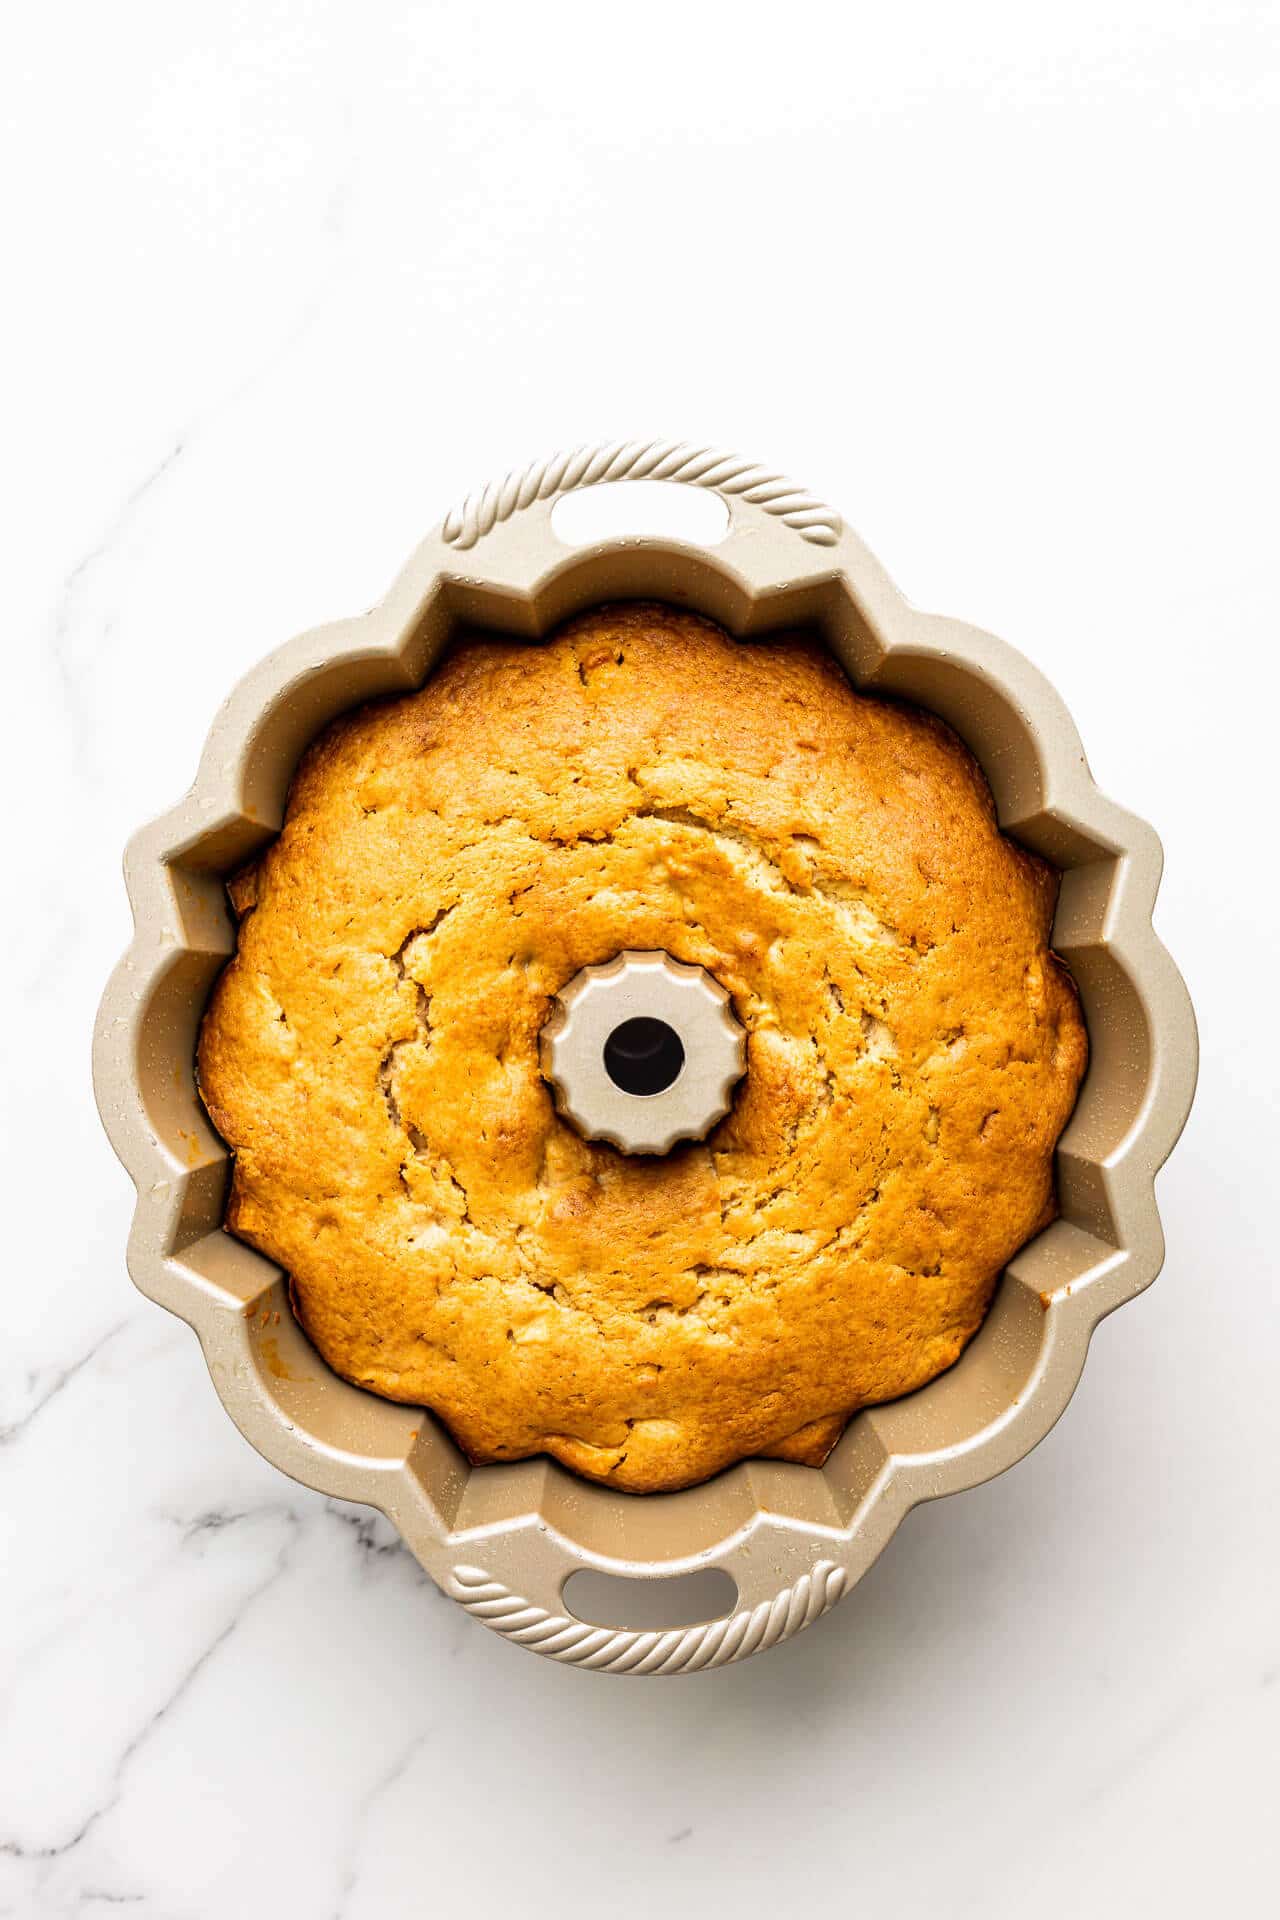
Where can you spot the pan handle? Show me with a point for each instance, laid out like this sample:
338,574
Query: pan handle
757,1621
749,491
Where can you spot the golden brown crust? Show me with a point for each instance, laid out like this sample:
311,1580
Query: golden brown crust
450,859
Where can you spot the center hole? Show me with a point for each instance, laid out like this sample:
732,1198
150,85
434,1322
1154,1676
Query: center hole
643,1055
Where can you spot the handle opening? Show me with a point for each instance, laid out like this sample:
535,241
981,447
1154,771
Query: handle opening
684,1600
634,509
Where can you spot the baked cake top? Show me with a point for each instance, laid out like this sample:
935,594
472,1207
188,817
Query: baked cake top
641,780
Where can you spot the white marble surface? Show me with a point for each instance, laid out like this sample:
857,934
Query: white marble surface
285,278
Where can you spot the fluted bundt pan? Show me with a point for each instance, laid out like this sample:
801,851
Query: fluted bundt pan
502,1540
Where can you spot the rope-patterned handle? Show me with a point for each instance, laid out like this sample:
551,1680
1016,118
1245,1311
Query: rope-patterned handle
627,1649
643,460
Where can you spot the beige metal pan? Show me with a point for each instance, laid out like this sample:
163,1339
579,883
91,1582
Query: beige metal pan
503,1540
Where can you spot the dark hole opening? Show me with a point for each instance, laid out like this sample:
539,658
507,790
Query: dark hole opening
643,1055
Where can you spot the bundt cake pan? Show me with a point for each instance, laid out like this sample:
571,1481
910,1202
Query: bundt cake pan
502,1540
